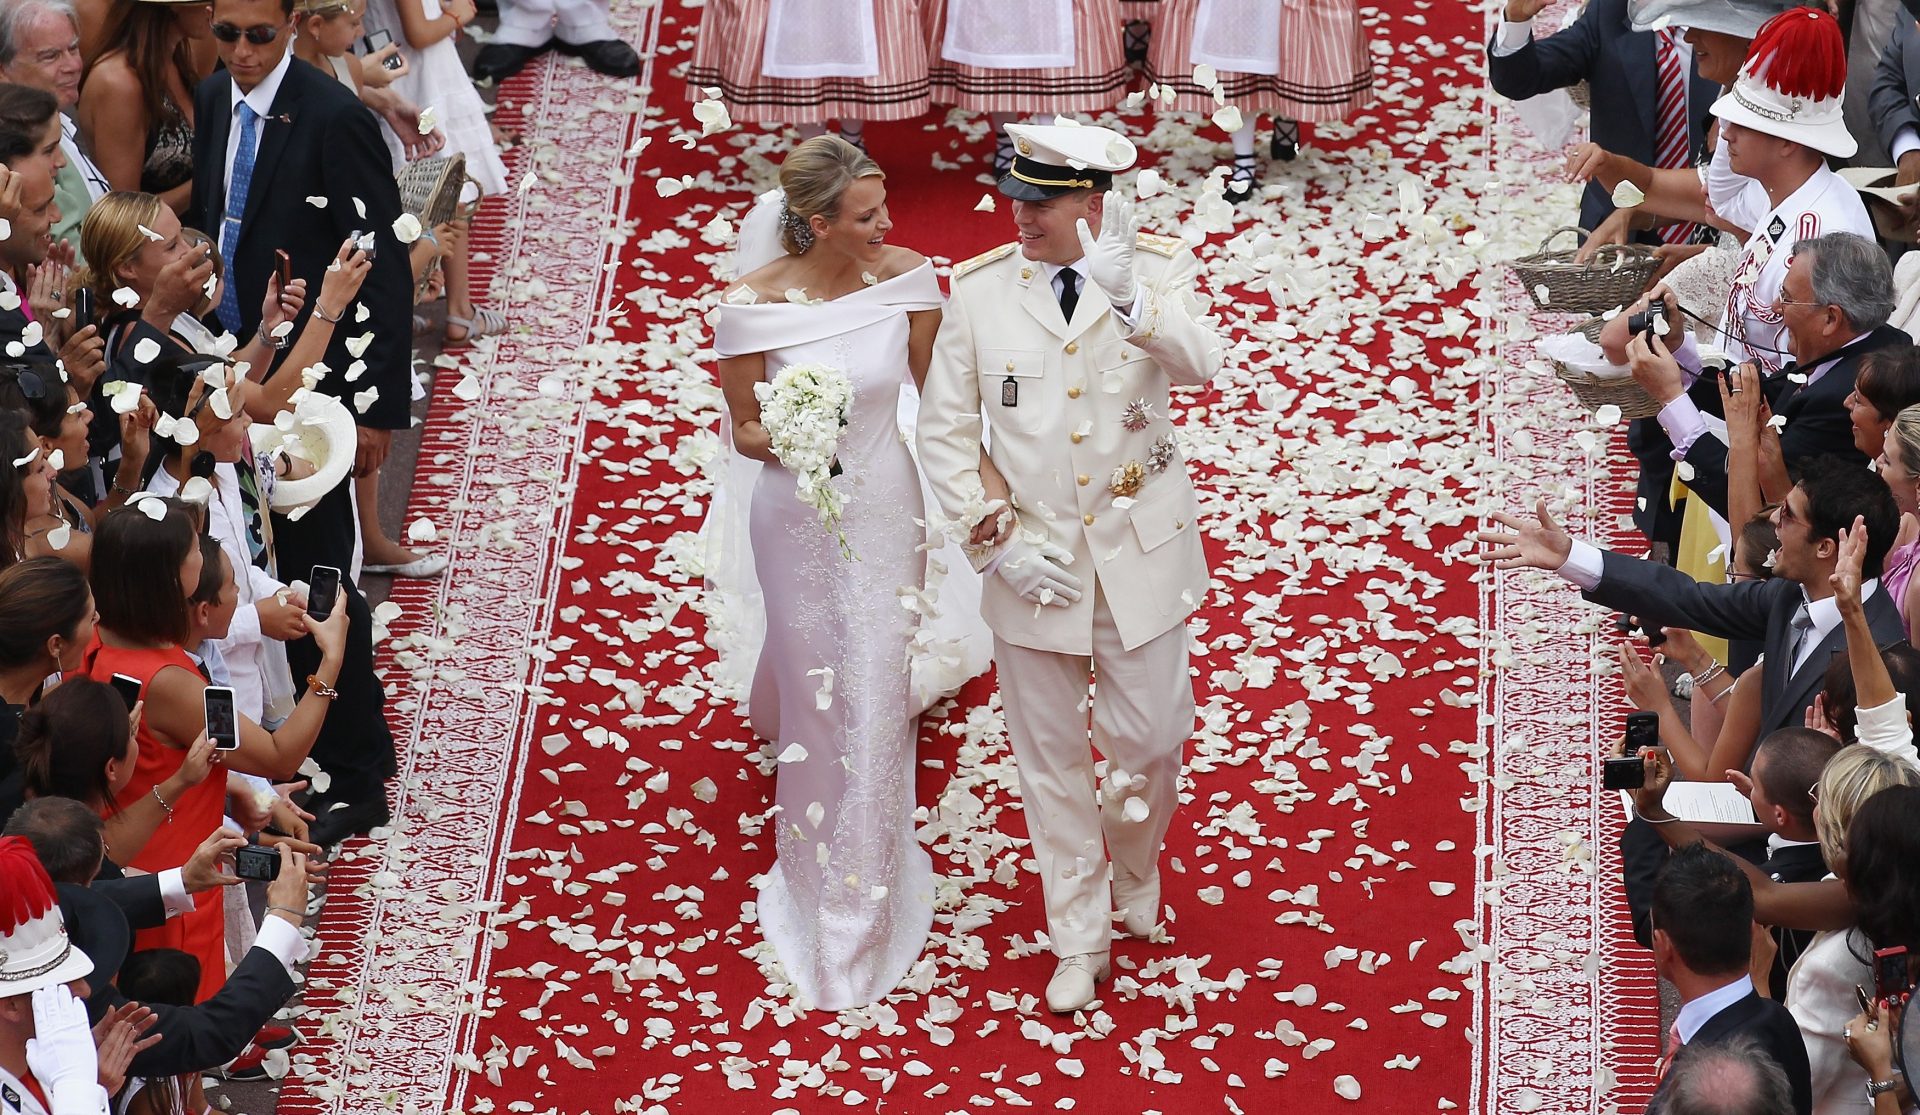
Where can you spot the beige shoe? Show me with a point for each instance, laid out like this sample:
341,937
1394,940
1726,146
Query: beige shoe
1074,979
1140,912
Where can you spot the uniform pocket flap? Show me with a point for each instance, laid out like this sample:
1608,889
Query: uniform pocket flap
1162,511
1020,363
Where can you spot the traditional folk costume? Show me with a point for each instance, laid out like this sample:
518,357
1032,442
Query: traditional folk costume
1015,58
1301,60
808,62
38,959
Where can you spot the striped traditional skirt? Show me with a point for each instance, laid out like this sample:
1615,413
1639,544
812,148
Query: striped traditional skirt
1148,10
1096,81
1325,72
732,43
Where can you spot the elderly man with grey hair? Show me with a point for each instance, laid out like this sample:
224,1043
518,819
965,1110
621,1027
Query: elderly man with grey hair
1731,1077
1833,308
40,47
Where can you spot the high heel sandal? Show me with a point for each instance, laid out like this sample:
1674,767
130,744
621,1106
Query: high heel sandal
1286,140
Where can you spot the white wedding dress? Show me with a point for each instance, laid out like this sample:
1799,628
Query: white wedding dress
841,664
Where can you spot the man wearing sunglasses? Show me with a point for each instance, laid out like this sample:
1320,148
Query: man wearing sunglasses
288,159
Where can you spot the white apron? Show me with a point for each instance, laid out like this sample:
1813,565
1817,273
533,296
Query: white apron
1238,36
821,38
1009,34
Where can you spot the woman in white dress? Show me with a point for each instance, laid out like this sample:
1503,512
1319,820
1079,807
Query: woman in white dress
849,900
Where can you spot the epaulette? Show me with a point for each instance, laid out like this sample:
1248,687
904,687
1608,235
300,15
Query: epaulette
1159,245
981,260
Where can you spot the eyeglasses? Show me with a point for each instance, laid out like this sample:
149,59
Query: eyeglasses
1782,300
1734,577
259,34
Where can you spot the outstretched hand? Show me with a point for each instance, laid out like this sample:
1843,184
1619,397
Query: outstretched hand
1845,577
1537,545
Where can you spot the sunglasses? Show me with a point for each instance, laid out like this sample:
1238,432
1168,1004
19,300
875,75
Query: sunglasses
258,35
31,385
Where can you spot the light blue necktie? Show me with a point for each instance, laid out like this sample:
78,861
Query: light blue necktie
236,208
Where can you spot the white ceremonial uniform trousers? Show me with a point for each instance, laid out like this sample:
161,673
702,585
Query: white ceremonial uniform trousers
1142,718
533,22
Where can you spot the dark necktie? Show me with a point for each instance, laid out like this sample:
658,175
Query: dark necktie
1069,292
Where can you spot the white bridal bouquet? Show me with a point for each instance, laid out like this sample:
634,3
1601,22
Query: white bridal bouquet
803,410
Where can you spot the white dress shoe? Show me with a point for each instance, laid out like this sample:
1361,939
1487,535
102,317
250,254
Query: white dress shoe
1074,978
1139,915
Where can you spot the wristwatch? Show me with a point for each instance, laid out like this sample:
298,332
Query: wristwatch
1876,1087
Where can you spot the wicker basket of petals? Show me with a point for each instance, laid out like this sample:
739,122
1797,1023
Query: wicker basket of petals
1595,391
1615,276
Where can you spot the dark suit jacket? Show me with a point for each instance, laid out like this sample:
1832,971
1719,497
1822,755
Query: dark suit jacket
1774,1030
1795,863
1660,594
319,140
13,324
1817,421
1619,65
192,1039
1895,81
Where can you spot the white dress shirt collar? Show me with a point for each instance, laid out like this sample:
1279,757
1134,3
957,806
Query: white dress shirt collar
260,97
1825,615
1695,1013
1052,271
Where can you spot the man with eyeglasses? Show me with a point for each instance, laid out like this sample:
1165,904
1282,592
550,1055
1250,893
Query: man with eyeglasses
40,48
1793,611
286,158
1834,303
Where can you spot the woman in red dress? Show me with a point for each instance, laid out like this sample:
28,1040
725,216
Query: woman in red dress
146,563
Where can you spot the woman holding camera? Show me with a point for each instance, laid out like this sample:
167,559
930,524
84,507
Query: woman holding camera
147,563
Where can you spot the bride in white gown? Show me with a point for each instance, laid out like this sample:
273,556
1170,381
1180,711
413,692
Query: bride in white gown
842,653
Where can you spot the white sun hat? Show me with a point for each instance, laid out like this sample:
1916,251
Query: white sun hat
34,949
1791,84
318,431
1740,18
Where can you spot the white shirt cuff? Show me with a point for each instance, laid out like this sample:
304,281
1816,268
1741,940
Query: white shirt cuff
1905,140
1584,566
1885,729
173,892
1511,38
1131,315
279,937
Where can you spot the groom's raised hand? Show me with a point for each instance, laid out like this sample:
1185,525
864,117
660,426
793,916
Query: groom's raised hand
1532,545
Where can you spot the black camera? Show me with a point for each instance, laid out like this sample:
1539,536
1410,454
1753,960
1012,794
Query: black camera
257,864
1642,322
1631,625
1629,773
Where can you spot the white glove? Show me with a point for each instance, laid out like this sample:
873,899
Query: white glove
61,1054
1038,574
1110,259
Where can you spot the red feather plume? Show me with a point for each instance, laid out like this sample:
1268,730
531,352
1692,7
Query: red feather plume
1800,53
25,890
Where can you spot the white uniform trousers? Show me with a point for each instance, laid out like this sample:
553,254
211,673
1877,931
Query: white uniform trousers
533,22
1142,717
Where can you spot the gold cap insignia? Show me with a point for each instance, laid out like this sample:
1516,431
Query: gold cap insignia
1021,145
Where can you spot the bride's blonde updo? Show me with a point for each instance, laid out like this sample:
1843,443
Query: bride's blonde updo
814,177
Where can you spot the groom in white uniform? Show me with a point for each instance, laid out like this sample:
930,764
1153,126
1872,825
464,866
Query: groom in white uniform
1067,341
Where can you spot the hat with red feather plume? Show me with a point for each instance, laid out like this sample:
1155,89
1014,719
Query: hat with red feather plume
34,950
1792,82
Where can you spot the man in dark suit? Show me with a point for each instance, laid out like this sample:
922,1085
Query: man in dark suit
1793,611
1622,68
100,918
1896,116
1726,1076
273,139
1702,944
1786,766
1835,302
27,200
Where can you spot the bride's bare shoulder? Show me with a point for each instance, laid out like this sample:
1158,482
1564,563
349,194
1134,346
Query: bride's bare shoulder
767,284
898,261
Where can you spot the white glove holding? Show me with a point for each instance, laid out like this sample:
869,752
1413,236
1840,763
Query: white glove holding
1110,259
61,1054
1038,574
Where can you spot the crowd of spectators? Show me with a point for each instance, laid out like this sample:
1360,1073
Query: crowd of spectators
1779,497
207,276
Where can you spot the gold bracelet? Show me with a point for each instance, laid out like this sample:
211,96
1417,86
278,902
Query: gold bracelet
320,688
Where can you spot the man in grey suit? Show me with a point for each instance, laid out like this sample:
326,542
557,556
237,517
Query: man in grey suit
1793,611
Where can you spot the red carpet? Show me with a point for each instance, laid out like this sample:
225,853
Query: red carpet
556,923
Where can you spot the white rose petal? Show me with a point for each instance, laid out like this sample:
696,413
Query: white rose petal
406,228
1627,195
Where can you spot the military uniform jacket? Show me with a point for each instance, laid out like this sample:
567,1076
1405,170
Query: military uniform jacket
1078,413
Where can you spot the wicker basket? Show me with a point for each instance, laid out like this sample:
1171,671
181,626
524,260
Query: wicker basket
430,188
1582,95
1594,392
1615,276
